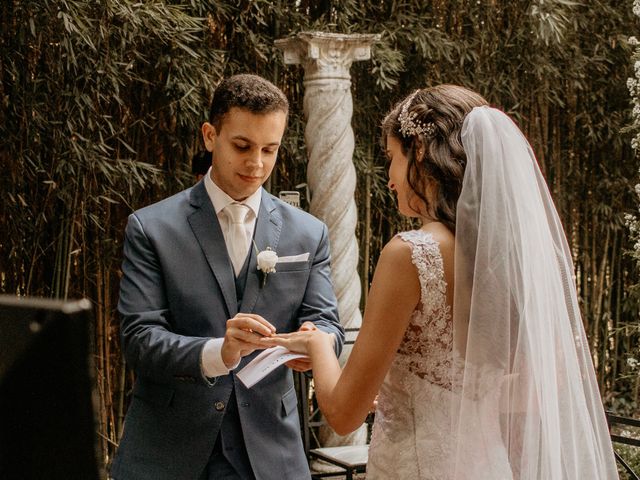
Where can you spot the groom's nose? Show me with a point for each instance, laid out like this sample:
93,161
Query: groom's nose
255,159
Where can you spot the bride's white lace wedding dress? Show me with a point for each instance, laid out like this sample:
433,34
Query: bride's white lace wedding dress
412,433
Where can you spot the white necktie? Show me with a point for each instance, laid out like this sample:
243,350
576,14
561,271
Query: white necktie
237,234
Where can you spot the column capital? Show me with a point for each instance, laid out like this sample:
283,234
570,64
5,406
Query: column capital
326,55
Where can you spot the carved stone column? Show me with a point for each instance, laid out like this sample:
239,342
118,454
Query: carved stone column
331,175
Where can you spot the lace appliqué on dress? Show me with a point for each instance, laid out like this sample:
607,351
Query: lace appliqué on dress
426,349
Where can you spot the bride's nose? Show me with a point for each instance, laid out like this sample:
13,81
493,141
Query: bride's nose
391,185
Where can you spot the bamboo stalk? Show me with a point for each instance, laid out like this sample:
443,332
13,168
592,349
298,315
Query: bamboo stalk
614,331
601,274
120,403
101,347
601,327
58,263
106,312
69,252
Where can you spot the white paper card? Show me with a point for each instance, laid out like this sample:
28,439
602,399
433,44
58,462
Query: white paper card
265,363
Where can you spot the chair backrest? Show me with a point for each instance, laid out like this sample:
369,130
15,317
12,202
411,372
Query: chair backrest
620,433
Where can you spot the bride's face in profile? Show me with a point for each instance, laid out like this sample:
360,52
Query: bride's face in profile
398,165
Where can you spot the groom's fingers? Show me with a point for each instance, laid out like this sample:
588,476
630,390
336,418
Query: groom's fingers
252,317
247,337
251,324
244,339
241,340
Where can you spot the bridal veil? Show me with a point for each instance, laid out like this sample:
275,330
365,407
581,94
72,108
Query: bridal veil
517,326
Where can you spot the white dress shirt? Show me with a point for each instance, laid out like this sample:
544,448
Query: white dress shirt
212,363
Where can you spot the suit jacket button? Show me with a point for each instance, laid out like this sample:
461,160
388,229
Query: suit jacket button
219,406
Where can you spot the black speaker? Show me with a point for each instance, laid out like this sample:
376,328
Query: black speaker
47,425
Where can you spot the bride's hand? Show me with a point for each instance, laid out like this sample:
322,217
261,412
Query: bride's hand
298,342
302,364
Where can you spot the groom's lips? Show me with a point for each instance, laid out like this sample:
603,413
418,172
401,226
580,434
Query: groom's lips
249,178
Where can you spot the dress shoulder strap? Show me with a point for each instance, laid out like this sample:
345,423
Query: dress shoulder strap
425,255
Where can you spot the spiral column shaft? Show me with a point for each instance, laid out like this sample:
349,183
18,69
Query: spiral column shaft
331,175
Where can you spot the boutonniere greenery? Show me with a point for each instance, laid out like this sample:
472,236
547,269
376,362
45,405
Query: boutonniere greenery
267,260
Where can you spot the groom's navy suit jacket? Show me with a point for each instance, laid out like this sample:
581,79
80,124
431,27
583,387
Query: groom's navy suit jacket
177,291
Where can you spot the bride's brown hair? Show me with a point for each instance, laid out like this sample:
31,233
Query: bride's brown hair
440,110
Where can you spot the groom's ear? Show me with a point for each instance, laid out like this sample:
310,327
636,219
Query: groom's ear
209,135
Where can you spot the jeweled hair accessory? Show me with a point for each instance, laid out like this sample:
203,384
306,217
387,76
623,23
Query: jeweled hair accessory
409,125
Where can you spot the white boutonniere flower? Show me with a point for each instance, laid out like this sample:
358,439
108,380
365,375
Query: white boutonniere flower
267,260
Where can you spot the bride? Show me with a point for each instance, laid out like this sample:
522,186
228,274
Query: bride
471,338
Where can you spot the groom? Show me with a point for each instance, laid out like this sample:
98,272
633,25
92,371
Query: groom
194,306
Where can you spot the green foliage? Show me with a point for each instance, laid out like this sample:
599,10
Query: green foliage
101,101
631,220
633,84
101,104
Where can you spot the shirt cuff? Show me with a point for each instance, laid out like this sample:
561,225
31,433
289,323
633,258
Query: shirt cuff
212,363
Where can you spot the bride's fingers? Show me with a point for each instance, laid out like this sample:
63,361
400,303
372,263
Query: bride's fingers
307,327
273,341
299,365
283,335
291,344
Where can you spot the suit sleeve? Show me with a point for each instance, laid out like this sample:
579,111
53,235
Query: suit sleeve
149,344
319,304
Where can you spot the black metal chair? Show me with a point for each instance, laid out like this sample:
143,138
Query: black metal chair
350,459
618,437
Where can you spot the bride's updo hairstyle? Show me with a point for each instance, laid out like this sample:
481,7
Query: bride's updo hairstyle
432,118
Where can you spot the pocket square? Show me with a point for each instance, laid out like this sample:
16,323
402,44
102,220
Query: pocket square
303,257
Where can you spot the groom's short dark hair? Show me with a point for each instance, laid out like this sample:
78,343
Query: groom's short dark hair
249,92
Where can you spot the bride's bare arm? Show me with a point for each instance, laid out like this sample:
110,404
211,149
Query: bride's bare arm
346,397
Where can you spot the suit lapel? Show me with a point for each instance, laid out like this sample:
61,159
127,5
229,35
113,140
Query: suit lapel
206,228
267,234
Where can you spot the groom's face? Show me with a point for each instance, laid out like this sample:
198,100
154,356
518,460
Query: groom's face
244,147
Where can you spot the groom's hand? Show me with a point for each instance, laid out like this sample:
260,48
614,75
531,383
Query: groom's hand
242,337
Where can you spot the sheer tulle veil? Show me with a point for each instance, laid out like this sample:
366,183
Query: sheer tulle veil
523,362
